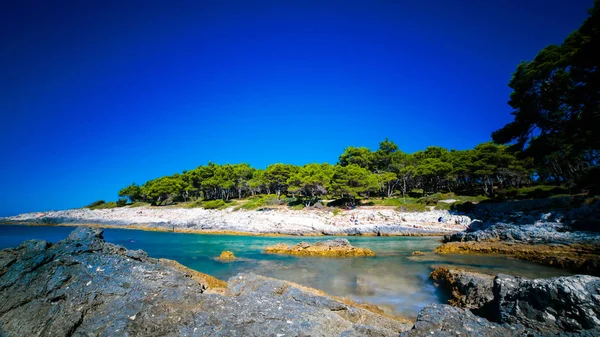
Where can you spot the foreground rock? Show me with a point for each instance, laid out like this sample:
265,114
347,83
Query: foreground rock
83,286
467,290
560,305
331,248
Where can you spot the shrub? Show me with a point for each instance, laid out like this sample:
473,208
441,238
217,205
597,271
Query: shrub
464,207
95,204
214,204
121,202
412,208
297,207
430,200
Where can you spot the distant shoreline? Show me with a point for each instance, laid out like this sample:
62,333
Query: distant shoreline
275,222
206,232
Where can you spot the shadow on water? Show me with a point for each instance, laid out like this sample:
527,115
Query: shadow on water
394,279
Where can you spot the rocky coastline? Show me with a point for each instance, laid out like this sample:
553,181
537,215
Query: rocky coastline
83,286
275,221
527,230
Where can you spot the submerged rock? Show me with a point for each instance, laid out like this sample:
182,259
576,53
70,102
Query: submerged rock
226,255
332,248
83,286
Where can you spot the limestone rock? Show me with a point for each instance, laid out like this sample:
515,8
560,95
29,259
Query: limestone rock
549,306
467,289
226,255
331,248
445,320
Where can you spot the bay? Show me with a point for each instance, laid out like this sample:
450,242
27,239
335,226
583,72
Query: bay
394,279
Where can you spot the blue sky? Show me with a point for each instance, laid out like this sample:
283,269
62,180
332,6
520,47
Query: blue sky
96,94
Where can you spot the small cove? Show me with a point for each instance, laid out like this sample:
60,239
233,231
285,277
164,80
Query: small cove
394,279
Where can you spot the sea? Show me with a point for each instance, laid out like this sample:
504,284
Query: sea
395,279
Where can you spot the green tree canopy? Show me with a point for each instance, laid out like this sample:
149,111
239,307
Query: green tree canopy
556,102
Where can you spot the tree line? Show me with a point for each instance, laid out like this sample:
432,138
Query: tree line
360,172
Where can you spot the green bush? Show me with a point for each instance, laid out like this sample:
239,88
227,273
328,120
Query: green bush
533,192
464,207
138,204
412,208
262,201
105,205
443,206
95,204
210,204
297,207
214,204
430,200
121,202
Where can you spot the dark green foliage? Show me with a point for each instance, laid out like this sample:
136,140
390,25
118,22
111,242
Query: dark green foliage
213,204
133,192
533,192
122,202
95,204
102,205
556,101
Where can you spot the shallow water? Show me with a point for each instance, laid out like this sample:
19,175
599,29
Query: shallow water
393,279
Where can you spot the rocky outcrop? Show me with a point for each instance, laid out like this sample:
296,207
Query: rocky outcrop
560,305
578,258
226,256
331,248
468,290
550,306
521,229
83,286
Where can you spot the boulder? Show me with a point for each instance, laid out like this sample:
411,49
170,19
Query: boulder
469,290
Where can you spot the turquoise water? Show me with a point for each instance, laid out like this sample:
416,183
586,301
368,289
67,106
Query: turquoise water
394,279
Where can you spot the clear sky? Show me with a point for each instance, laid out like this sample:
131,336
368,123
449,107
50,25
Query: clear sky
95,95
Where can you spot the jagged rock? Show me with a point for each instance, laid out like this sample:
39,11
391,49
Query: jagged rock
549,306
333,248
557,306
467,289
445,320
83,286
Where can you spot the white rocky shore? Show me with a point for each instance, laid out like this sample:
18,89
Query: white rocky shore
360,221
